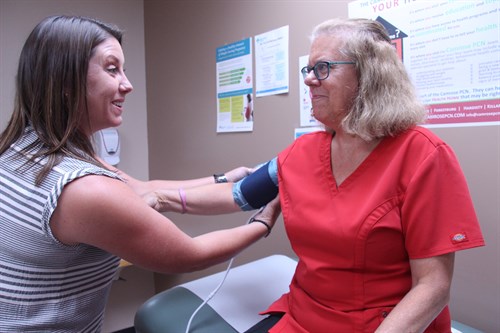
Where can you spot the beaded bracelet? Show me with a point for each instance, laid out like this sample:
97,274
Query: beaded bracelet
264,223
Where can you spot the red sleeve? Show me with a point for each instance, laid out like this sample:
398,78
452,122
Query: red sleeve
438,216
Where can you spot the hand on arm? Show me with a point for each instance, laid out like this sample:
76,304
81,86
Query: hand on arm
250,193
428,296
105,213
154,185
144,187
237,174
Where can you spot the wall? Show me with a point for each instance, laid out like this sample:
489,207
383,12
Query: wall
17,19
181,39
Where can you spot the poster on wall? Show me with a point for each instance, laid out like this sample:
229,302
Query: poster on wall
451,51
306,117
271,62
234,87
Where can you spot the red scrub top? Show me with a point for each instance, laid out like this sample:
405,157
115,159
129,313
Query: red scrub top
407,200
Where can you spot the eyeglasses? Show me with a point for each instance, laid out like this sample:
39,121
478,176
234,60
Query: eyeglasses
322,69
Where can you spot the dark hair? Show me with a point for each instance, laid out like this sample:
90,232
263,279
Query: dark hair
51,88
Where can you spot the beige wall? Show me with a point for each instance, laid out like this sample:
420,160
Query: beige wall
181,39
178,59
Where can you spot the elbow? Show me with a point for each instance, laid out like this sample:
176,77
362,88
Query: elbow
176,268
444,294
439,295
189,264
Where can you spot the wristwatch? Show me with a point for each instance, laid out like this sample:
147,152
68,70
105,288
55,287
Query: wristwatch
220,178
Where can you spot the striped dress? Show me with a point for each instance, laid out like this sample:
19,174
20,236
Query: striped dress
46,286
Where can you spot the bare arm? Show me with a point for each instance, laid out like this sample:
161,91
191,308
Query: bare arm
211,199
252,192
143,187
106,213
428,296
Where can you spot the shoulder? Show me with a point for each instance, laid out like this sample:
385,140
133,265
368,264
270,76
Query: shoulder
423,136
94,182
71,171
417,143
91,192
415,148
97,196
88,204
424,151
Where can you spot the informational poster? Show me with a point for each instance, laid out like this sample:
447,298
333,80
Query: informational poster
306,117
235,87
271,62
451,50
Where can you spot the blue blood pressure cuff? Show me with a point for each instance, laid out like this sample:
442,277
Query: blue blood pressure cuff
259,188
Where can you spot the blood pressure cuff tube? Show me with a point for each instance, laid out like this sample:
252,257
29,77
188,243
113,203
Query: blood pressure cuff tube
259,188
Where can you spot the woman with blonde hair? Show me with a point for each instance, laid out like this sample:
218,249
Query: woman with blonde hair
374,207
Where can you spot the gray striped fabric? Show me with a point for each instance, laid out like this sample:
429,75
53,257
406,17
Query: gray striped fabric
46,286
